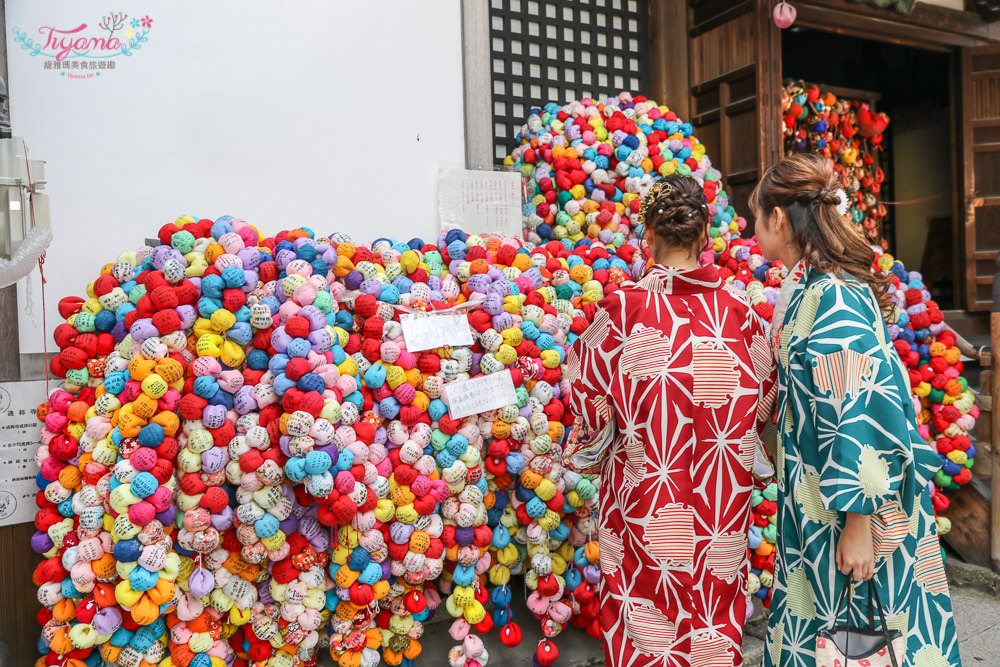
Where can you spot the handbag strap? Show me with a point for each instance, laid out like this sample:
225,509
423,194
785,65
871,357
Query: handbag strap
871,609
885,626
840,602
872,598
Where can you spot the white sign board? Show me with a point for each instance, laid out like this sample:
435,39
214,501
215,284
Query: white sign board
481,394
480,202
20,435
427,331
251,109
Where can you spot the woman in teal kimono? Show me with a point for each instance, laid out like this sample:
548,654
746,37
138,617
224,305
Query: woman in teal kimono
852,468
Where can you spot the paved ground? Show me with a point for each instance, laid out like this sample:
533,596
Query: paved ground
977,621
975,596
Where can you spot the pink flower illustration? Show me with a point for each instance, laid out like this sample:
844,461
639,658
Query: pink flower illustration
147,22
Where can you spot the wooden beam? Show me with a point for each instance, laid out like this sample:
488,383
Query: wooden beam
843,18
869,96
967,195
732,75
769,80
669,81
718,15
942,24
995,424
725,138
476,74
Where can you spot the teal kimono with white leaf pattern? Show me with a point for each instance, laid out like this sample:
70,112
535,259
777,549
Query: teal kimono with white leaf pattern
848,442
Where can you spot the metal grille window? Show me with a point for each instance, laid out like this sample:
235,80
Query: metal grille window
561,50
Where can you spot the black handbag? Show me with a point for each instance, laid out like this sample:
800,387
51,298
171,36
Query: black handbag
843,643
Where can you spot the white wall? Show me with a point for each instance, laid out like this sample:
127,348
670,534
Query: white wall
331,114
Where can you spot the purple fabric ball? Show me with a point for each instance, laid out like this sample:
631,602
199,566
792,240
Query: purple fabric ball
353,280
201,582
167,516
493,304
317,320
40,542
107,621
464,535
289,525
284,258
250,258
224,519
264,592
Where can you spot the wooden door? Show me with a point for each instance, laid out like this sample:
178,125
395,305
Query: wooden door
735,81
981,171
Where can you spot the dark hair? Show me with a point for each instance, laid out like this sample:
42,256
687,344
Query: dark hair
805,187
676,211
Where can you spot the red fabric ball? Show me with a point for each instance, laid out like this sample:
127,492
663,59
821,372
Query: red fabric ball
163,297
547,653
166,321
215,499
511,634
297,327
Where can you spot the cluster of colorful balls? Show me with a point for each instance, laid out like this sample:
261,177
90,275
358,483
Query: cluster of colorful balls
572,172
761,541
948,411
249,463
589,163
849,133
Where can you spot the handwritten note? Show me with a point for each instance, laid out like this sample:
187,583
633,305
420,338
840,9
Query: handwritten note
430,330
481,394
480,202
20,435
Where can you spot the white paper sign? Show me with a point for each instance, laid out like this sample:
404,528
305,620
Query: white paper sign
481,394
20,435
480,202
431,330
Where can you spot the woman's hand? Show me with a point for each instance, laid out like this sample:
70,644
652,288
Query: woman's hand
855,551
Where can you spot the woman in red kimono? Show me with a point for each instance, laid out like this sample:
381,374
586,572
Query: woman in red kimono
674,373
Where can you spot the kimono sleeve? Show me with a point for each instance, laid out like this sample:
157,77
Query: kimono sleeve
592,362
767,375
859,414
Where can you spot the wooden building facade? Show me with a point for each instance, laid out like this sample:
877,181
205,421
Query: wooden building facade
728,54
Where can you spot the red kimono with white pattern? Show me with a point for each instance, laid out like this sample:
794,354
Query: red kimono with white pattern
680,366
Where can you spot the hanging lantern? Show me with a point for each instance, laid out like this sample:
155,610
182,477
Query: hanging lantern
784,15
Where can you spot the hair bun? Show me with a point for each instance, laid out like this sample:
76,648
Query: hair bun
675,209
830,197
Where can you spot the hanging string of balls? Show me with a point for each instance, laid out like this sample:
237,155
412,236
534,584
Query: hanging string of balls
249,463
849,133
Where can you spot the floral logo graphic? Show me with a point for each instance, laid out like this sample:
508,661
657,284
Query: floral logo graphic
83,52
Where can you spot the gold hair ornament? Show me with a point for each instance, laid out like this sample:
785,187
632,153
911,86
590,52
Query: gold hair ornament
661,187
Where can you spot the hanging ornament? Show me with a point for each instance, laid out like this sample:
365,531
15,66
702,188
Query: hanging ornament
784,15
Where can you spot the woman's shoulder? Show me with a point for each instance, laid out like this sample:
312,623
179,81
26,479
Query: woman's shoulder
836,308
614,303
730,292
832,291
